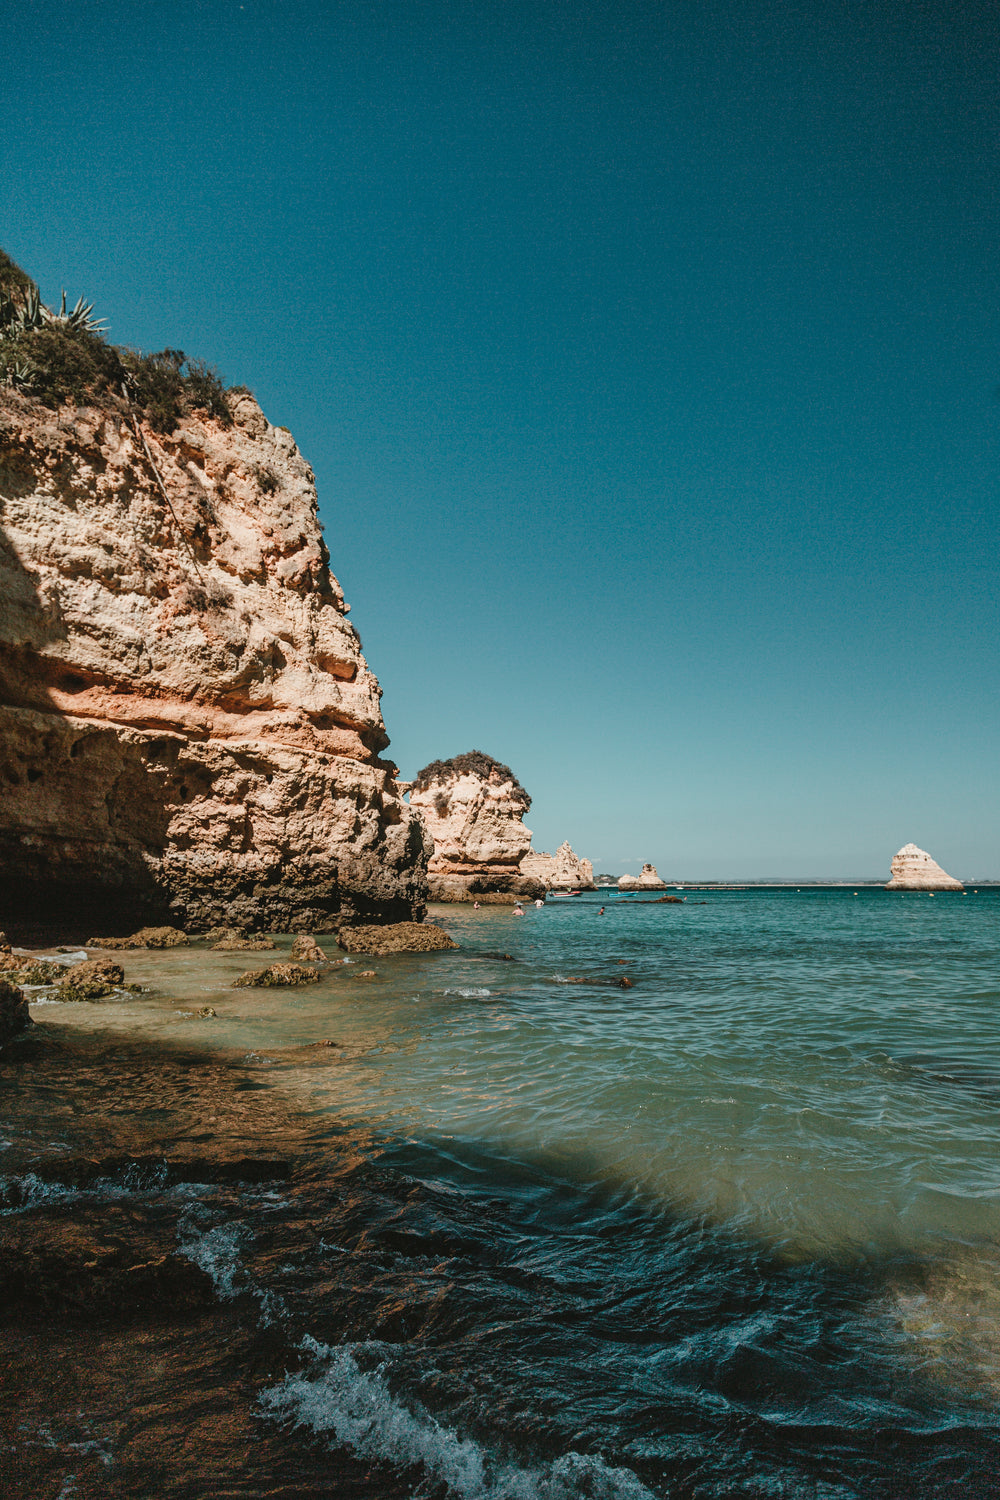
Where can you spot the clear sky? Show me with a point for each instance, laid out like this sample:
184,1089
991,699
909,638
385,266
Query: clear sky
647,355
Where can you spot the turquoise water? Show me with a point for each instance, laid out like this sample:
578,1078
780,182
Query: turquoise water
734,1230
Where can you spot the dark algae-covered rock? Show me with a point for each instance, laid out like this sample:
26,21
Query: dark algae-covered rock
397,937
13,1010
94,979
274,975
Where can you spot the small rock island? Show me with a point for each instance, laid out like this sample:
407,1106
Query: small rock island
913,869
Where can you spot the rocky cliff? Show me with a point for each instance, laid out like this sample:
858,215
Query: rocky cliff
473,809
188,727
561,871
912,869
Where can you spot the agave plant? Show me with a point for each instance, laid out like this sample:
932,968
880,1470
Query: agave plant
18,317
79,317
22,376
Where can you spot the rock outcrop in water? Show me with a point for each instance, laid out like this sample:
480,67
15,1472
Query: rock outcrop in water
647,880
188,728
473,808
912,869
561,871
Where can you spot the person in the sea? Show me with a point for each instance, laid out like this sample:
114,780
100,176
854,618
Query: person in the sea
601,912
539,902
475,906
519,910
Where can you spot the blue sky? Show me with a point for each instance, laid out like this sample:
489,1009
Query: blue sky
647,356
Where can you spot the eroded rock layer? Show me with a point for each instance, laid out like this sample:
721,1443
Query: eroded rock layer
912,869
188,727
646,880
562,871
473,808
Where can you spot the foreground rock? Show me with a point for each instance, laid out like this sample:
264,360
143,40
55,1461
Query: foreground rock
473,808
94,979
912,869
13,1010
188,728
146,937
276,975
400,937
648,880
561,871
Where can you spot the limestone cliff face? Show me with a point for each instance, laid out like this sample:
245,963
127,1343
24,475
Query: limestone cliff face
473,809
647,880
561,871
912,869
187,723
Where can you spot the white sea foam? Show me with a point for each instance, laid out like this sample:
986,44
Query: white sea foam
471,994
216,1251
356,1408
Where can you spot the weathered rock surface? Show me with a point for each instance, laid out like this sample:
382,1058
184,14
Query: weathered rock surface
188,728
561,871
306,950
912,869
234,943
146,937
13,1010
93,979
399,937
473,808
647,880
275,975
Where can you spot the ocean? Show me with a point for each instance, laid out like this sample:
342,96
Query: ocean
518,1231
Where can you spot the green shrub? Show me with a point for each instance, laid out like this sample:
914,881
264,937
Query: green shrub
474,762
64,356
12,278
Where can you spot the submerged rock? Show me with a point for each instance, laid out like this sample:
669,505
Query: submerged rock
276,975
233,943
398,937
146,937
473,807
14,1015
912,869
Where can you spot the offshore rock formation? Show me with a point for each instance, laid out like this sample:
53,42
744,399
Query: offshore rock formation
188,729
561,871
647,880
912,869
472,807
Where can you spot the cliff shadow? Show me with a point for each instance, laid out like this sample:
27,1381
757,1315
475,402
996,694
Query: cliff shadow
78,810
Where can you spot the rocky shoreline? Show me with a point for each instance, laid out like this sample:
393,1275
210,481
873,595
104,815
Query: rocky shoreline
100,1299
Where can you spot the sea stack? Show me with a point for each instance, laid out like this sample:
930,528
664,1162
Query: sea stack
473,808
648,880
188,729
912,869
561,871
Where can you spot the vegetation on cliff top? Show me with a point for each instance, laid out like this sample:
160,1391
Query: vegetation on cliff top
64,356
473,763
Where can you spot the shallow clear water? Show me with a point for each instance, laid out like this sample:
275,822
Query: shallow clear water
734,1230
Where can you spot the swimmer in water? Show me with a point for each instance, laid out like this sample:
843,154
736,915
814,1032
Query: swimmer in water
519,910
